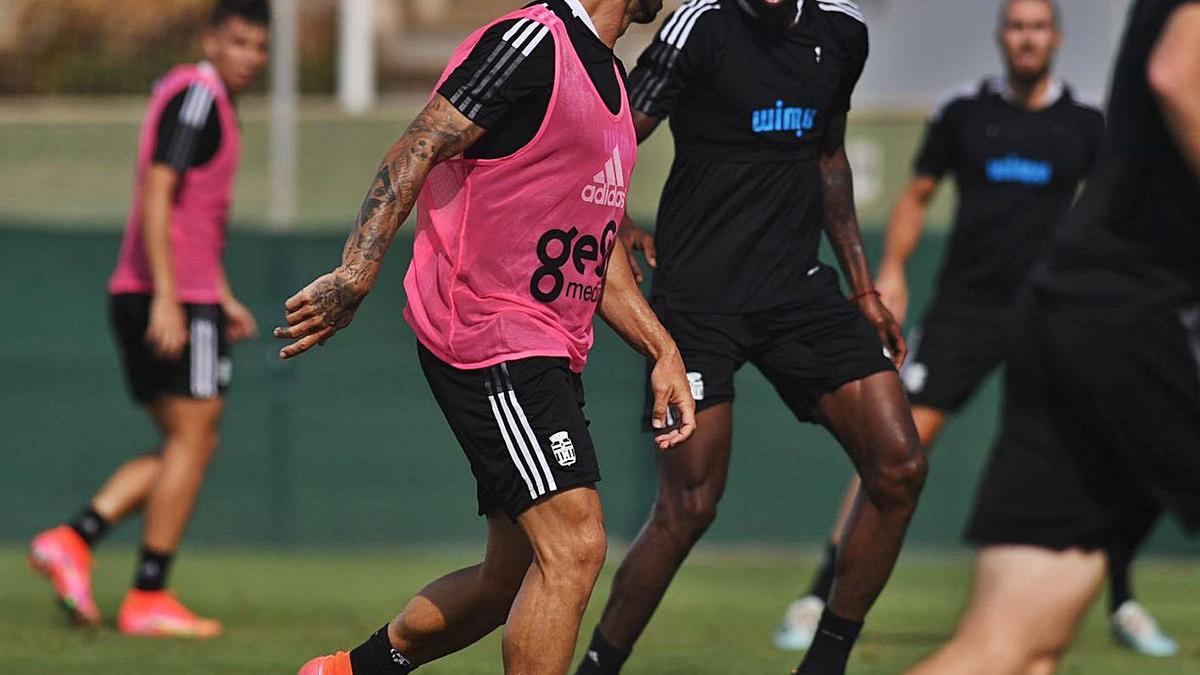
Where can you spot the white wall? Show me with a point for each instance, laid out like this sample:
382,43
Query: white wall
923,49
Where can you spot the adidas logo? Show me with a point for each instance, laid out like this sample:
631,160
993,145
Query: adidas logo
608,186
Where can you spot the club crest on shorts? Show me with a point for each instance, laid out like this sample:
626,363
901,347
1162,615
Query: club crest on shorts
696,382
914,375
563,448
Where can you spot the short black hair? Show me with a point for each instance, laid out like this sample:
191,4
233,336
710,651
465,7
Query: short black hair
253,11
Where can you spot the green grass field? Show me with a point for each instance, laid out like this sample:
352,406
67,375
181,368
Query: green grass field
94,141
281,608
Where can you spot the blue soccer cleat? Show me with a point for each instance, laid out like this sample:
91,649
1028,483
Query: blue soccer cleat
1133,627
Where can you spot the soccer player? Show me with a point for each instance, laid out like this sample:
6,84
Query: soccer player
174,317
1019,146
1102,390
518,167
757,92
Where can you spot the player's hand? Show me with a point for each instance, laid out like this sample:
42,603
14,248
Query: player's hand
636,239
321,309
239,322
887,327
167,332
892,284
668,381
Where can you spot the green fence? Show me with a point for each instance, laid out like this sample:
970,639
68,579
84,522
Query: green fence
347,445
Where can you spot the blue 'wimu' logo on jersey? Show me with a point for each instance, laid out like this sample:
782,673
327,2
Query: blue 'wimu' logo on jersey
779,118
1014,169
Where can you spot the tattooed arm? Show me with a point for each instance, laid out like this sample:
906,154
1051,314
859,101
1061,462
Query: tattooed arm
841,226
328,304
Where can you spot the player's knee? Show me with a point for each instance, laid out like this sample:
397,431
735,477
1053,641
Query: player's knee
687,515
206,443
577,556
197,445
897,485
591,548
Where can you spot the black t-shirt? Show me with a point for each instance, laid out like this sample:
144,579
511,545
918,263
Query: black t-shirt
1135,234
1017,172
505,83
739,223
189,129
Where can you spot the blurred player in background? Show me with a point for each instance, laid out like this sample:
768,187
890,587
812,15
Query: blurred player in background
174,317
757,92
1102,393
521,160
1019,147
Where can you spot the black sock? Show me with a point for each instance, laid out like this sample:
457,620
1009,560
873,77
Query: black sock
1120,588
831,648
823,582
601,657
376,656
89,525
152,570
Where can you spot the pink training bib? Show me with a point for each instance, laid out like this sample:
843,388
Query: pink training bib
510,254
201,208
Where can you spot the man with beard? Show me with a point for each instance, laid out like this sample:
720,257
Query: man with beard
512,259
757,92
1019,147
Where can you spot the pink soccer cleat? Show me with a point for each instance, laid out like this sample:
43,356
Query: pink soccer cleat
63,557
160,614
337,664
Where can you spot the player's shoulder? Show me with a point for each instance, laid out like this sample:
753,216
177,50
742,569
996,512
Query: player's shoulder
844,12
846,20
189,93
697,22
187,77
959,98
1082,104
517,31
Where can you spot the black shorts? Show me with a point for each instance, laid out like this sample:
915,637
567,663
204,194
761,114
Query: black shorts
805,349
1101,419
202,371
954,349
521,425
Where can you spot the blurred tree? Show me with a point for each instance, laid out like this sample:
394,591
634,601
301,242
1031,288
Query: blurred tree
121,46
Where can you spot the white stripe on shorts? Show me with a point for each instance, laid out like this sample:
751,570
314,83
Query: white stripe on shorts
514,435
533,441
512,451
204,358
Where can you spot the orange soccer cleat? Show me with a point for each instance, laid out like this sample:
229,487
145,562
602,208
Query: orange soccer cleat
160,614
338,664
63,557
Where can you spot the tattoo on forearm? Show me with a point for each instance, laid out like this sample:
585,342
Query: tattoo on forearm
381,193
438,133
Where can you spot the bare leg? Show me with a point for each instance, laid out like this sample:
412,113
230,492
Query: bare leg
566,532
464,606
929,423
1043,665
190,437
845,508
127,489
691,479
871,419
1025,606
